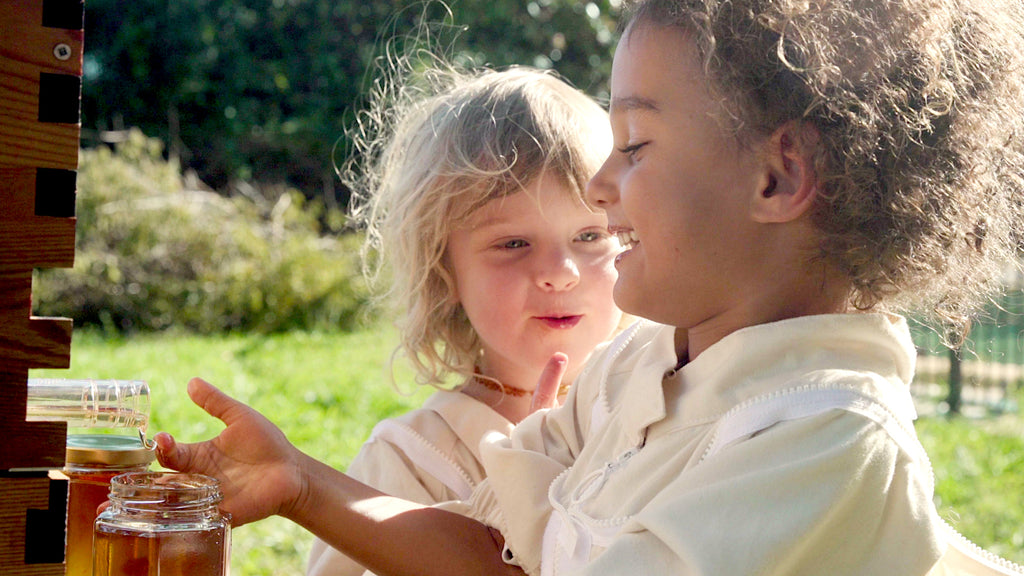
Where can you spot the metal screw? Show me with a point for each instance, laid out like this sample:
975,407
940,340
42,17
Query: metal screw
62,51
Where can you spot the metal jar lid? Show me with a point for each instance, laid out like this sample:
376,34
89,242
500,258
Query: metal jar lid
107,450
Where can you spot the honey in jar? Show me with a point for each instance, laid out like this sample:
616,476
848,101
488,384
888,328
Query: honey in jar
162,523
91,461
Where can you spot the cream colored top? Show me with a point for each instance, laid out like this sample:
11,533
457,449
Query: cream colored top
783,449
428,455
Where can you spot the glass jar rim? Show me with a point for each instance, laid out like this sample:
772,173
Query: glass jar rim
164,490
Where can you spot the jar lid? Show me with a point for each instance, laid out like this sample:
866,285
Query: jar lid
109,450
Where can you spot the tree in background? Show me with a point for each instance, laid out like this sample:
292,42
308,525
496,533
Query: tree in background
260,90
154,251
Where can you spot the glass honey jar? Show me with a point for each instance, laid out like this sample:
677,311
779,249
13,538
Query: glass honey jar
91,461
162,523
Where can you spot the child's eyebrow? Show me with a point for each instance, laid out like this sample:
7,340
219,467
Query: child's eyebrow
490,222
629,103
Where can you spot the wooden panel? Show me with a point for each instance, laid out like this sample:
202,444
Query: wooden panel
33,445
29,192
15,295
37,342
36,445
29,341
32,55
40,107
18,204
31,525
37,243
30,240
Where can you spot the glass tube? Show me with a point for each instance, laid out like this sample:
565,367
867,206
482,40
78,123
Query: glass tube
89,403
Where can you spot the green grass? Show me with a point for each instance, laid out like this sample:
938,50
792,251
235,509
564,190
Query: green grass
979,475
326,391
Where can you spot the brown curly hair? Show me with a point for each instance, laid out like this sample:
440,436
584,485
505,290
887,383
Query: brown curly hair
920,106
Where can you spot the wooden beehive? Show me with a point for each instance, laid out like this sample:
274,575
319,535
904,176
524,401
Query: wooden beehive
40,94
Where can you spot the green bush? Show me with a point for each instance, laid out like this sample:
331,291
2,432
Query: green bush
156,250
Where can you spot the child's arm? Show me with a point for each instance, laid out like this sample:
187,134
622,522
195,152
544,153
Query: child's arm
261,474
389,468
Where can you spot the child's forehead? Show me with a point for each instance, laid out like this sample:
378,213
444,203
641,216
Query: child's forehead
657,70
661,47
543,196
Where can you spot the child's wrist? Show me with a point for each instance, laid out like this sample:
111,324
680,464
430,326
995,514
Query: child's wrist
299,505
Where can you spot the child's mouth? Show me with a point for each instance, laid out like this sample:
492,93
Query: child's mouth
560,322
628,239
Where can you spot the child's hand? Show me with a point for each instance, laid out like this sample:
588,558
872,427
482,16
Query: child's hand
257,467
545,395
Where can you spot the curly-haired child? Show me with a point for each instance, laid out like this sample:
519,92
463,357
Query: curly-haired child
787,177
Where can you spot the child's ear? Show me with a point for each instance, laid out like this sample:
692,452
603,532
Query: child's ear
790,182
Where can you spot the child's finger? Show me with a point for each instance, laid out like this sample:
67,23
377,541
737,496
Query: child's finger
546,393
169,454
214,402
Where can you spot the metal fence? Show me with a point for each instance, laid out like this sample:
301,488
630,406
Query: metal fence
988,374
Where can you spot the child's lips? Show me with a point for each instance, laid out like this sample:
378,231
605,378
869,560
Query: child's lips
560,322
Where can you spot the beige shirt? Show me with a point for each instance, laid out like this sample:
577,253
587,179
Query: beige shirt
783,449
428,455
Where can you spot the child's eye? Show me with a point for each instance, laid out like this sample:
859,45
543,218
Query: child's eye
590,236
513,244
632,149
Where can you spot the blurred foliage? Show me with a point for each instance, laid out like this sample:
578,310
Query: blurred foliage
156,250
260,90
251,100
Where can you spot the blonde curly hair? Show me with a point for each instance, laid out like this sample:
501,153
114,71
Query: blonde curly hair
920,106
435,144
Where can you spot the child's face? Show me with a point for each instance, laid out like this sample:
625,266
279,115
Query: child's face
678,184
534,272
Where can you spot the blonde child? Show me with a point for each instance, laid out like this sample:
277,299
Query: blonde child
470,184
787,175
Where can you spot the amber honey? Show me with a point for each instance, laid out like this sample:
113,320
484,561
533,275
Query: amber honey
162,523
120,552
85,494
91,462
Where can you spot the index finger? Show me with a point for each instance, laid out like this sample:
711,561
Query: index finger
546,393
214,402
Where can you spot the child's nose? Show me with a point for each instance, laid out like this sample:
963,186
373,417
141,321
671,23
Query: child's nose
601,189
557,272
